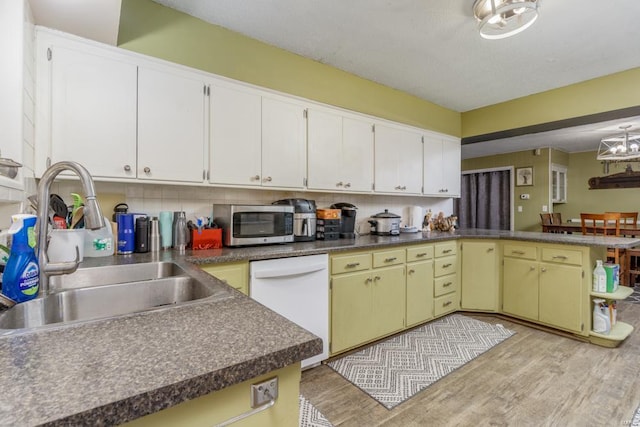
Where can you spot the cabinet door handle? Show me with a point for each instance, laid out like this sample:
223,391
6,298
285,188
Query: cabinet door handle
412,271
490,250
517,252
532,268
352,265
560,257
267,179
127,168
368,280
444,285
339,184
376,278
446,251
391,259
421,254
446,265
398,187
544,270
347,185
446,303
147,170
255,178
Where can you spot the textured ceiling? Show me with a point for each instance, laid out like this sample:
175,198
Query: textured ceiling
432,49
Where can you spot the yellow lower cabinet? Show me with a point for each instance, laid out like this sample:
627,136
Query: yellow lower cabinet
366,305
419,292
388,300
351,310
561,296
224,404
446,304
235,274
480,288
520,288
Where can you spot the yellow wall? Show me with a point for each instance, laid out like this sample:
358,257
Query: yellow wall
155,30
529,218
612,92
583,166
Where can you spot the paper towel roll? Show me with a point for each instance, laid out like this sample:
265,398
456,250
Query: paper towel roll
416,215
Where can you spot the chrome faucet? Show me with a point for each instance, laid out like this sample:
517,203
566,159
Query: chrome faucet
93,218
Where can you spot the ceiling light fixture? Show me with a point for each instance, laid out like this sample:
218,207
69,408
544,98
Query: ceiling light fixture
498,19
620,147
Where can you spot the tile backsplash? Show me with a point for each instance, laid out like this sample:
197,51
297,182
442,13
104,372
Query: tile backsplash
198,201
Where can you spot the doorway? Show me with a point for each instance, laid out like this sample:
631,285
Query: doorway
486,199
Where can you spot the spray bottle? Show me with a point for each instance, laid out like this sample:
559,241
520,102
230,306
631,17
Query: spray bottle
21,278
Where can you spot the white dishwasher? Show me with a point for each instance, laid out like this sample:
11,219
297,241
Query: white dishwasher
298,289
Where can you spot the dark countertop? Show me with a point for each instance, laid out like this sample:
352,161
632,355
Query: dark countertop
107,372
112,371
252,253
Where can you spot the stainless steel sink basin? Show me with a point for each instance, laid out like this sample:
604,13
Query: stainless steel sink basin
107,293
112,274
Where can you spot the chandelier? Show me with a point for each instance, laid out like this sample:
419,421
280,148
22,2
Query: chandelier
620,147
498,19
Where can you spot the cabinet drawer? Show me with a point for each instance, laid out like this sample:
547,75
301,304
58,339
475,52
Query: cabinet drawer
418,253
445,285
235,275
386,258
444,266
349,263
446,249
445,304
562,256
518,251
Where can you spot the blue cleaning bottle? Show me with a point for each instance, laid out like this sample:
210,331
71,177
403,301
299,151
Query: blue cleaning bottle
21,277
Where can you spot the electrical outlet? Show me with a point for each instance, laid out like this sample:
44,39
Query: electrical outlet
545,208
263,392
519,208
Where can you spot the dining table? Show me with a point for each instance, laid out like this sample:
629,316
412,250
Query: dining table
626,230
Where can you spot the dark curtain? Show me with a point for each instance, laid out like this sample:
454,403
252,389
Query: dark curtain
485,201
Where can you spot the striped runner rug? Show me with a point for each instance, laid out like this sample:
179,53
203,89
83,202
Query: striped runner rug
394,370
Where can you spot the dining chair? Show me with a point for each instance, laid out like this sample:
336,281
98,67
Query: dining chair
546,220
556,218
606,224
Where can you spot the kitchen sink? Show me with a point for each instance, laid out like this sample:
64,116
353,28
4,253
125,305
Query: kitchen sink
113,274
110,292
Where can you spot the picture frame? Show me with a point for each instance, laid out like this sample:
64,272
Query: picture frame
524,176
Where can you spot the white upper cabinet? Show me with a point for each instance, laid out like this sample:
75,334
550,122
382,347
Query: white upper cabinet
93,111
340,152
235,154
442,156
284,153
171,126
398,160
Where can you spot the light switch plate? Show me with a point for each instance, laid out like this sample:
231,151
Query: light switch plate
519,208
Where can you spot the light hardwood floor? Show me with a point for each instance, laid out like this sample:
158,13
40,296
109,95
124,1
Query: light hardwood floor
534,378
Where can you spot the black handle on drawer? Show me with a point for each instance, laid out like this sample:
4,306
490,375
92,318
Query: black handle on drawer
352,265
421,254
446,265
444,285
446,303
390,259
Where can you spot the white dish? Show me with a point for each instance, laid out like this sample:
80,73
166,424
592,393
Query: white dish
409,229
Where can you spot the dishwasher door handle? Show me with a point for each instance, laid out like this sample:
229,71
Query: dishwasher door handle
294,270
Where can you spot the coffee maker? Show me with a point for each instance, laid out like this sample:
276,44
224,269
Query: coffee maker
347,220
304,218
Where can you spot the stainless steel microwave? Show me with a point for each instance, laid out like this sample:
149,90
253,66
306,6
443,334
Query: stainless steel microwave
244,225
